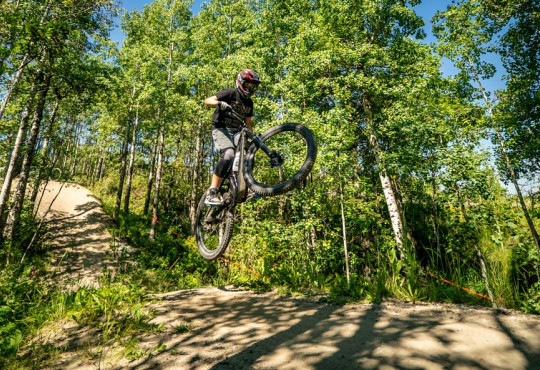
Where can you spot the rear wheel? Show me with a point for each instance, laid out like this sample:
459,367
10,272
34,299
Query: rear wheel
213,229
295,151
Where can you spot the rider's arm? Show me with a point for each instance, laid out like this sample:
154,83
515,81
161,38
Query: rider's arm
247,120
211,101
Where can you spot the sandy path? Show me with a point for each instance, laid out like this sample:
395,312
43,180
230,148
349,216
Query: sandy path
77,233
243,330
233,329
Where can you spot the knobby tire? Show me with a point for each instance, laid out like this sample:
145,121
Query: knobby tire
206,250
292,181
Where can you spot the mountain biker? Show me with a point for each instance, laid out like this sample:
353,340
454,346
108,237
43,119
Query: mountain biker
225,127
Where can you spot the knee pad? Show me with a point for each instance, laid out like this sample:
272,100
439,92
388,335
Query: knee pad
225,162
227,154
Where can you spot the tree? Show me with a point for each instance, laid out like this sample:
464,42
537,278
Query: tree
60,36
466,32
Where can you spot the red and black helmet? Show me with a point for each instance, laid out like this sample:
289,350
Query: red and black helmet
247,76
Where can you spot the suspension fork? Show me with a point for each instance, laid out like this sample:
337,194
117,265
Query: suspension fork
276,159
259,142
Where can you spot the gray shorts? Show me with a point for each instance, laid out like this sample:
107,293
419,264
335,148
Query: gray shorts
225,138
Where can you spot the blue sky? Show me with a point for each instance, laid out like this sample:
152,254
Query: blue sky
426,10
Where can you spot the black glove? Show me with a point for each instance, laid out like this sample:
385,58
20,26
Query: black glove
223,106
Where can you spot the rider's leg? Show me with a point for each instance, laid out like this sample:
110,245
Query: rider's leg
223,166
216,181
224,142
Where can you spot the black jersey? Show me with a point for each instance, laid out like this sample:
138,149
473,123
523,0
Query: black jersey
241,106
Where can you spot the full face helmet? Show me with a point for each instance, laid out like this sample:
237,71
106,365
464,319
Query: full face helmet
247,82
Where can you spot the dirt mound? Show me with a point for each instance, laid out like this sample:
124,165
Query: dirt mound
223,328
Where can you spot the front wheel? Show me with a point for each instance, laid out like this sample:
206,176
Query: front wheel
213,229
294,151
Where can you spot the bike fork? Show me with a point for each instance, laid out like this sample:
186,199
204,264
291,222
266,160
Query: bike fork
276,159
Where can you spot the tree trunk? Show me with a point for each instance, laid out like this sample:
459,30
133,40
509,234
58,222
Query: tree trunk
123,162
101,168
510,169
65,155
389,195
158,183
150,180
195,178
435,217
131,163
97,169
74,158
43,167
393,210
171,186
161,141
9,144
343,227
14,82
484,274
15,212
15,154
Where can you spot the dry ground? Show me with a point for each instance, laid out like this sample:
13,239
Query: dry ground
78,236
234,329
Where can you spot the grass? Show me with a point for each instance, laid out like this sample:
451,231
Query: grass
183,327
37,332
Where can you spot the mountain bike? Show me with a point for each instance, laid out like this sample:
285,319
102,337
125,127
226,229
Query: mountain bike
271,164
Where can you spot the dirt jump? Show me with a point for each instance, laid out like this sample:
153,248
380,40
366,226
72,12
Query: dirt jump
228,328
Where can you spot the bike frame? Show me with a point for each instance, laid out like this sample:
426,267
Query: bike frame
236,177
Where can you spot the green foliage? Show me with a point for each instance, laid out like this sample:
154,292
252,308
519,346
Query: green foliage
531,299
183,328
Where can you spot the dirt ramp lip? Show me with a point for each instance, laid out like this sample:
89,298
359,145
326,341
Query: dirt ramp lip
237,329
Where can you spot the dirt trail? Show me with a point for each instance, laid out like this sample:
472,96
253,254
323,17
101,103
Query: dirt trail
81,244
233,329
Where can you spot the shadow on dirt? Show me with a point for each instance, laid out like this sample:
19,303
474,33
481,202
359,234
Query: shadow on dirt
244,331
78,241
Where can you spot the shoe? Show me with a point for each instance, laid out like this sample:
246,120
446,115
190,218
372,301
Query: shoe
213,198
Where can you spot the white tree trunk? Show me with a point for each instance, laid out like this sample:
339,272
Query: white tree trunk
15,212
343,227
123,160
15,154
150,180
158,183
195,177
131,162
14,82
391,201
